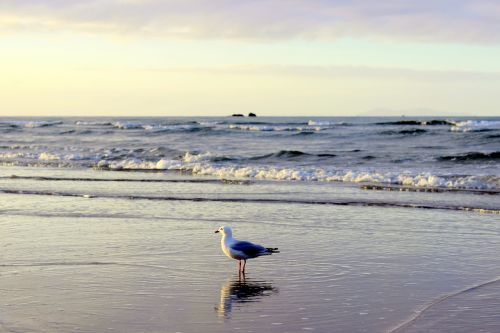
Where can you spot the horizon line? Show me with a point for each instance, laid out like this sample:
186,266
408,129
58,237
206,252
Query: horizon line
246,116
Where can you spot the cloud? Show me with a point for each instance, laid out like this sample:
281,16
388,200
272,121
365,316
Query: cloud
343,73
463,21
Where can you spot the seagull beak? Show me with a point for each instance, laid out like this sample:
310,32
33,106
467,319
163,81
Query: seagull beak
216,231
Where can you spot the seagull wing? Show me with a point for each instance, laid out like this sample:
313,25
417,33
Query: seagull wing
248,248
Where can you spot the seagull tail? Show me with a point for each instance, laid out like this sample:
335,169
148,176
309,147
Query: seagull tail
272,250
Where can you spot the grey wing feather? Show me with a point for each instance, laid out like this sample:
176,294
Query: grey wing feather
248,248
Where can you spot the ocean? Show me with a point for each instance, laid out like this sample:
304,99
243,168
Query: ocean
458,153
383,224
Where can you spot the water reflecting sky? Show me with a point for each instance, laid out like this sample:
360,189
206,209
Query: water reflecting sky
238,291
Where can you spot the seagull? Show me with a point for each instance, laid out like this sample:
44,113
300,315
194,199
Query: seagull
241,250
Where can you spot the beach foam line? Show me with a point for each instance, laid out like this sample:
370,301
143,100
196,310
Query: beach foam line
85,179
263,167
197,166
207,164
419,313
365,203
403,188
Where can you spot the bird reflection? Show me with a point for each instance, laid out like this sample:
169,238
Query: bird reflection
238,291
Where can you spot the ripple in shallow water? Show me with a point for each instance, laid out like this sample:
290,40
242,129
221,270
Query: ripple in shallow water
475,309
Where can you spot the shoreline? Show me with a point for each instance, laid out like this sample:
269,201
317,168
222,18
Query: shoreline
100,259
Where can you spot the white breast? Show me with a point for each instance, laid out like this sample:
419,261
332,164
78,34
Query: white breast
226,248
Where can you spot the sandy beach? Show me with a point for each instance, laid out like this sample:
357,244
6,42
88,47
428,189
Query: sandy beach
122,255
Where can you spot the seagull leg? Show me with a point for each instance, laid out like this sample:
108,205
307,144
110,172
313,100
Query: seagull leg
239,266
244,265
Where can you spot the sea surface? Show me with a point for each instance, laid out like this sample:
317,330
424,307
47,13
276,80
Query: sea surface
456,153
383,224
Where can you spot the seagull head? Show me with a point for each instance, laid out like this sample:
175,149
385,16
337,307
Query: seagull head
225,231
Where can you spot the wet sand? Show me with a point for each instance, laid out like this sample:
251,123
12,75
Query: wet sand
96,263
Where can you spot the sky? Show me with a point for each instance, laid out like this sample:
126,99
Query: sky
270,57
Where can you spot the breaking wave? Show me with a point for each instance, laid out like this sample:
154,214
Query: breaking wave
475,126
413,131
473,156
29,123
204,165
93,123
423,153
273,128
289,155
293,165
418,122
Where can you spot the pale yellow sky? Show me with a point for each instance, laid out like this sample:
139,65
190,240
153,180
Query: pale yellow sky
69,59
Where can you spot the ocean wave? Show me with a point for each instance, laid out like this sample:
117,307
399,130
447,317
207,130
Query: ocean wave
30,123
433,122
176,128
11,155
475,126
288,155
413,131
325,123
248,123
208,126
161,128
76,132
46,156
8,126
187,126
35,124
210,123
138,164
127,125
33,158
304,133
93,123
203,165
258,167
271,128
351,176
279,155
49,156
472,156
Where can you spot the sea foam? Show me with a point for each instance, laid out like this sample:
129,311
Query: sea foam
272,128
475,125
127,125
351,176
201,165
